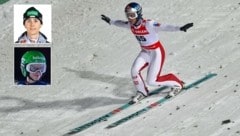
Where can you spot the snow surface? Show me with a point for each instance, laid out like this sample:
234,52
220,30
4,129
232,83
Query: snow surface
91,64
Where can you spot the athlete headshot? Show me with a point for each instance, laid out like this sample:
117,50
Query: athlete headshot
33,68
32,21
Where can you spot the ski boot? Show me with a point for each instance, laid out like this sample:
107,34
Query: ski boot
138,97
174,91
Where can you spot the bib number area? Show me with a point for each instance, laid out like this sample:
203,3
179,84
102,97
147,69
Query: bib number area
141,38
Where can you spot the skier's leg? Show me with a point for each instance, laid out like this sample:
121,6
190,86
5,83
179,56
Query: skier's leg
156,63
139,64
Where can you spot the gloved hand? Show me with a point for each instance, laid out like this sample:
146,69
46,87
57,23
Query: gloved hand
185,27
105,18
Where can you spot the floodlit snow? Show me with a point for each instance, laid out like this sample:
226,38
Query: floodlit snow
91,64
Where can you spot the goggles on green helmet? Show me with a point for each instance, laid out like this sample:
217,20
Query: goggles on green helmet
36,67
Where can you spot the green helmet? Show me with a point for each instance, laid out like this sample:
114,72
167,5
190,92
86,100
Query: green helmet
29,57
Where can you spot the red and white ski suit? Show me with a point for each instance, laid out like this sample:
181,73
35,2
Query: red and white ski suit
151,55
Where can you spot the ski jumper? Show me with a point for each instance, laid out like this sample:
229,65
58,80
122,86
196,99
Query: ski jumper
151,55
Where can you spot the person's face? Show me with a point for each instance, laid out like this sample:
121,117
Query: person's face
33,26
132,18
36,70
132,21
36,75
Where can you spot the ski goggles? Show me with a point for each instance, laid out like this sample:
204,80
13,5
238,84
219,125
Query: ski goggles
36,67
131,15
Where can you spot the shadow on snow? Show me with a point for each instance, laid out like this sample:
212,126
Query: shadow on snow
124,86
77,104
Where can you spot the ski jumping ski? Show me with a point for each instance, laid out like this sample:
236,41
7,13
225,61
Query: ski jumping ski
161,101
109,115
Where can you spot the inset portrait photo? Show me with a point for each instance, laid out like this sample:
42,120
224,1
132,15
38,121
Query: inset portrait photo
32,24
32,65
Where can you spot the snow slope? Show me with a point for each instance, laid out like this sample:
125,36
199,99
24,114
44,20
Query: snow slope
91,64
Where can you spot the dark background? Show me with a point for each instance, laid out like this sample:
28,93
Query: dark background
19,51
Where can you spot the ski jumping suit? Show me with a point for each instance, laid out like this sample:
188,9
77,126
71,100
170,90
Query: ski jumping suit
151,55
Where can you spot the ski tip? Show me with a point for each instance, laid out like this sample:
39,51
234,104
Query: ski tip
110,126
71,132
212,74
67,134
